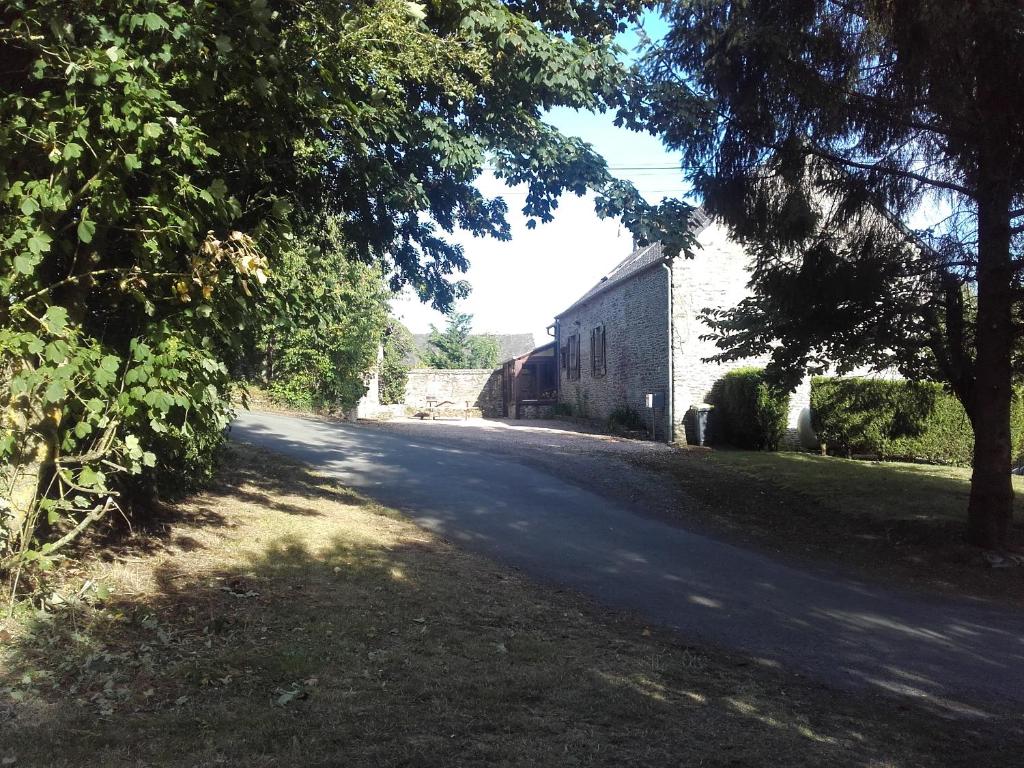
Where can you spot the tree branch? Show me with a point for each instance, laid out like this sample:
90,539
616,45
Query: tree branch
96,514
951,186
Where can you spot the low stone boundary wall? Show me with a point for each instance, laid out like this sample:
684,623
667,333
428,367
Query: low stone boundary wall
480,387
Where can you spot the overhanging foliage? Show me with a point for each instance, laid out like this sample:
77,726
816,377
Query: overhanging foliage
157,158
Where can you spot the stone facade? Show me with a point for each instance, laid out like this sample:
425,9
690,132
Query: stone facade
716,278
633,304
480,387
634,314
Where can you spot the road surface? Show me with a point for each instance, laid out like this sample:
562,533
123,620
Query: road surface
962,657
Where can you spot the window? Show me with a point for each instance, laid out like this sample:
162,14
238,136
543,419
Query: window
572,355
598,363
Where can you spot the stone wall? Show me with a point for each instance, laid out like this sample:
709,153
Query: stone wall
536,411
480,387
717,278
635,316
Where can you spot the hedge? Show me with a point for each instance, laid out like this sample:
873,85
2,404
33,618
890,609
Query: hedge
747,412
912,420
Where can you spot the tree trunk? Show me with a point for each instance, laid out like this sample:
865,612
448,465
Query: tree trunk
990,511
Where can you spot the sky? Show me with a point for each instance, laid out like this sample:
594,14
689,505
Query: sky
518,286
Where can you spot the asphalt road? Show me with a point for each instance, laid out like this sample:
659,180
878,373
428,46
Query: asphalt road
963,657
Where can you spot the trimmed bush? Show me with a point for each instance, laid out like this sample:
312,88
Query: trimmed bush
625,419
747,411
893,420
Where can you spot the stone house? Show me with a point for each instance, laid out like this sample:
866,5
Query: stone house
638,331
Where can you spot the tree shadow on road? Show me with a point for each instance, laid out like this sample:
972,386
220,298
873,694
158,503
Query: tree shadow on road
350,636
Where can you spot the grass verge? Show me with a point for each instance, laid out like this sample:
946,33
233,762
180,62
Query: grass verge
280,619
897,523
884,490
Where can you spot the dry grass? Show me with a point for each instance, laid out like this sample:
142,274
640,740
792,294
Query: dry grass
283,620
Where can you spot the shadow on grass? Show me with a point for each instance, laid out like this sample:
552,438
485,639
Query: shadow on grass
897,524
885,490
367,642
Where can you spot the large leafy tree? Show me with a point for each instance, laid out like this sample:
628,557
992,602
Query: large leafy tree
394,367
156,157
818,130
315,350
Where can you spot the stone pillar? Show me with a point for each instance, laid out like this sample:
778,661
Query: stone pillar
369,404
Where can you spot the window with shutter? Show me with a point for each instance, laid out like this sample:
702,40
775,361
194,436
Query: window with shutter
573,372
598,364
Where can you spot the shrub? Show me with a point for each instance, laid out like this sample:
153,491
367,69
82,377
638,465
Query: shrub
747,411
626,419
394,372
897,420
563,409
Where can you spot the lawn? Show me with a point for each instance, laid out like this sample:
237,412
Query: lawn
280,619
899,524
883,490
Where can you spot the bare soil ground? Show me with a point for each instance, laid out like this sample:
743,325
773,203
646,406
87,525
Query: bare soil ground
279,619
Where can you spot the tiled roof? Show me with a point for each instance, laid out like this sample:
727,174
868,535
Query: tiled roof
637,261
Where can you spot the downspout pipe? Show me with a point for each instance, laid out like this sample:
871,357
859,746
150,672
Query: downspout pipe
670,392
558,360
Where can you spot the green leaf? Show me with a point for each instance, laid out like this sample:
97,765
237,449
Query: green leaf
25,264
55,319
281,208
416,11
57,351
153,22
55,392
82,429
72,151
110,363
131,444
39,243
29,205
152,130
88,477
86,229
